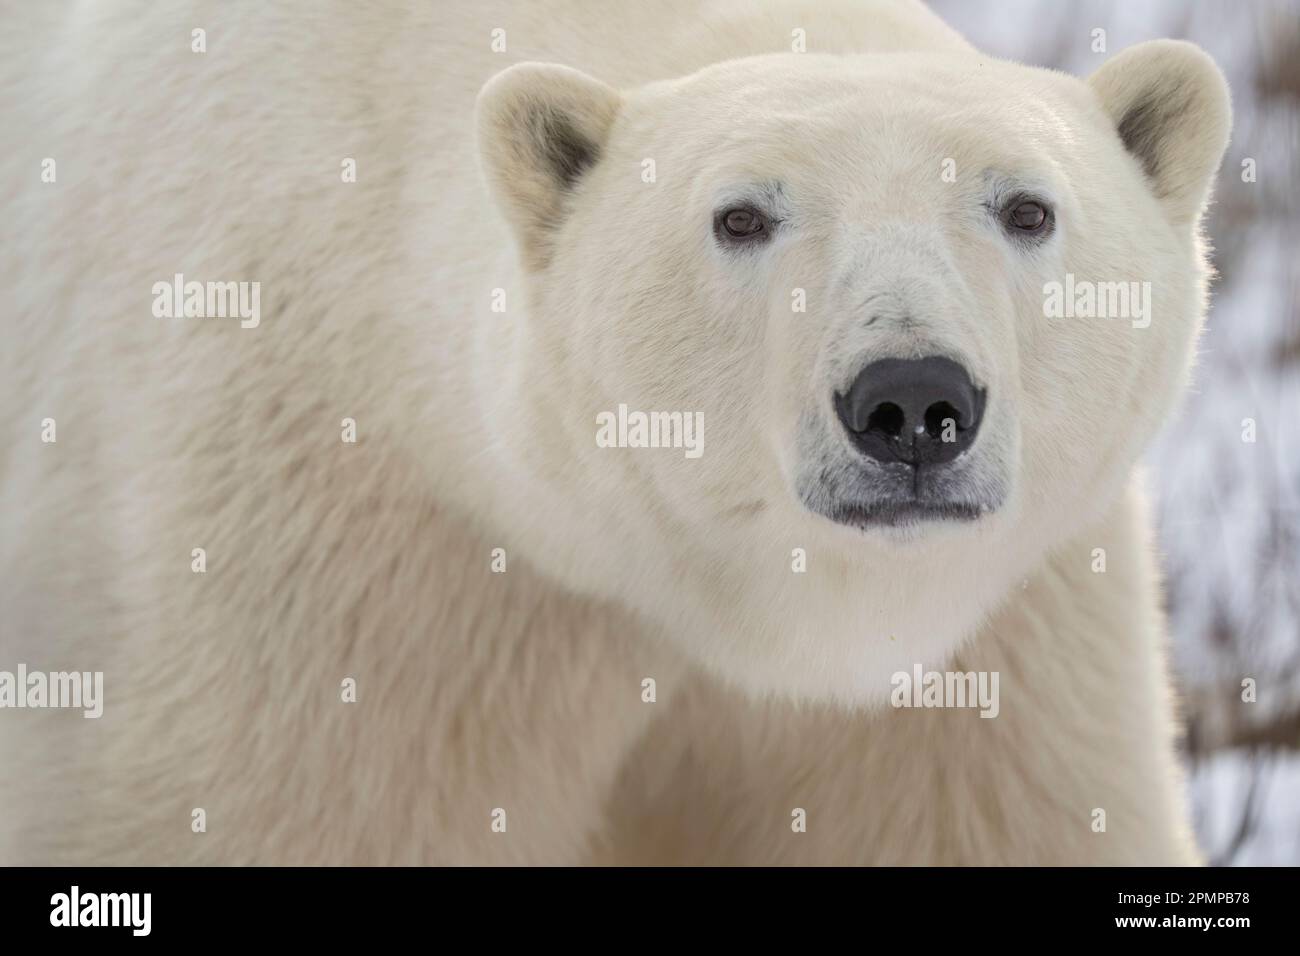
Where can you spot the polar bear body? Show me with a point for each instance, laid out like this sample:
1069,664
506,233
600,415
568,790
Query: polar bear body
504,717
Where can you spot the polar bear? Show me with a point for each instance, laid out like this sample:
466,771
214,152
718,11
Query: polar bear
364,586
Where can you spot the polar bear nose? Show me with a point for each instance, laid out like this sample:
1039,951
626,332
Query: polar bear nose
917,411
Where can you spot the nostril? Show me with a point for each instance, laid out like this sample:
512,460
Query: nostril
938,415
886,418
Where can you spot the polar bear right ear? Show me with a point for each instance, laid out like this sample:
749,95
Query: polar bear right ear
541,127
1169,104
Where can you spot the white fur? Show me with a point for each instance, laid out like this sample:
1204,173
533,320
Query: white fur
476,429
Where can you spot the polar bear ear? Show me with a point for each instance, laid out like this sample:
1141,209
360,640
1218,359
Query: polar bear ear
1169,104
541,127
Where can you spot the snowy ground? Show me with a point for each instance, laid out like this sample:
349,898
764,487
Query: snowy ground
1220,789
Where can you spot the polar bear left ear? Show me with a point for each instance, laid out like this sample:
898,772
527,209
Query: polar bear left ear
541,127
1170,106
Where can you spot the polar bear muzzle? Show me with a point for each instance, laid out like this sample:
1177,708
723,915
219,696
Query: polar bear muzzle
916,411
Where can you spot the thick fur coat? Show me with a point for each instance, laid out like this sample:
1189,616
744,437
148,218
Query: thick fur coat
505,267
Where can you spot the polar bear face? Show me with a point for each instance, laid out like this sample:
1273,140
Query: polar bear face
926,312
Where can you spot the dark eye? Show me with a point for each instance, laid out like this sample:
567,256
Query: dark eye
1028,216
741,223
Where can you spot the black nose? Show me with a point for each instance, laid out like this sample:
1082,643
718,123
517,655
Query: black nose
918,411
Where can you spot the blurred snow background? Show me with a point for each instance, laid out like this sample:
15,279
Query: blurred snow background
1228,510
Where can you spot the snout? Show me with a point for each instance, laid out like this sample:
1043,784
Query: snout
911,455
921,412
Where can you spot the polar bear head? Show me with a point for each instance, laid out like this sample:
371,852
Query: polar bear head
908,320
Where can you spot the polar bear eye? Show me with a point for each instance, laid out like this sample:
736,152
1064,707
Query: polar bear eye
741,224
1028,216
